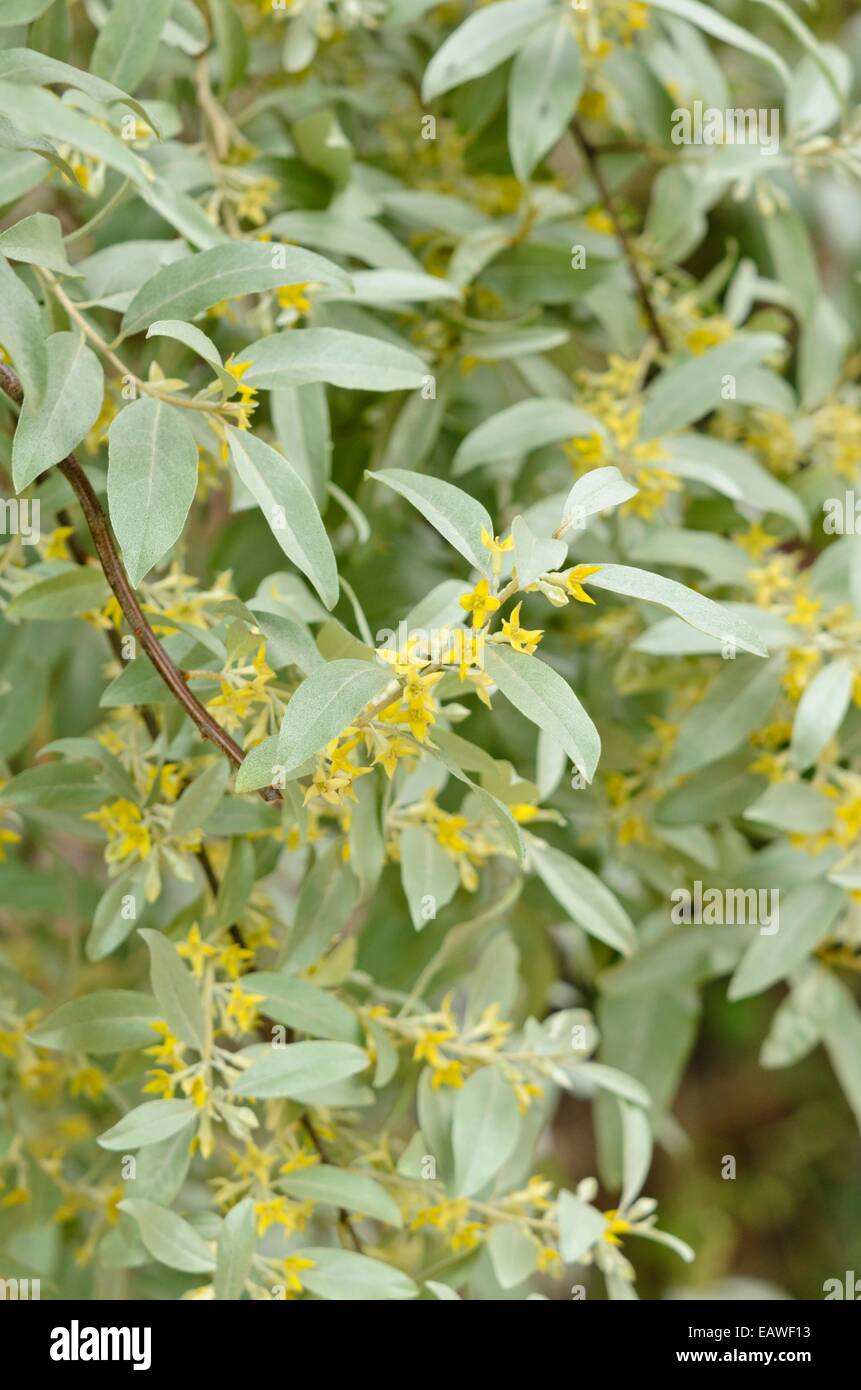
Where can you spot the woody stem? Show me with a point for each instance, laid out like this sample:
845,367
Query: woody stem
117,578
592,158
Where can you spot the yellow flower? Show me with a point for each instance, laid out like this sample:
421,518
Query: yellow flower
302,1158
593,104
448,834
520,638
171,780
293,1216
232,957
247,395
597,220
549,1260
804,611
449,1074
242,1008
574,582
587,449
617,1227
427,1047
54,545
195,1087
87,1081
122,822
169,1050
480,603
274,1211
497,547
708,335
465,648
772,581
15,1197
756,541
7,837
291,1269
162,1084
295,297
107,617
196,950
466,1237
334,784
442,1215
654,486
256,199
802,665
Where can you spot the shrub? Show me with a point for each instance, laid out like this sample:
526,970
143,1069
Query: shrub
430,611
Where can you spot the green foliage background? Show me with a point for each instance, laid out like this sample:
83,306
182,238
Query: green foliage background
348,315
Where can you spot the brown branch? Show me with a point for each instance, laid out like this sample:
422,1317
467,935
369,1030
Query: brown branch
343,1216
118,580
591,155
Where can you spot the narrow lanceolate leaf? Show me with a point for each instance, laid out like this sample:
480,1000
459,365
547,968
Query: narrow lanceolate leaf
797,923
50,429
168,1237
456,515
24,65
580,893
534,555
727,715
110,1020
326,702
580,1225
597,490
11,138
200,798
345,1276
37,240
354,361
685,393
22,334
65,595
187,287
235,1251
303,1006
486,39
298,1069
325,903
192,337
700,612
521,428
128,42
152,477
22,11
495,808
148,1124
176,990
513,1254
485,1129
429,875
711,21
584,897
544,89
541,694
820,712
289,509
342,1187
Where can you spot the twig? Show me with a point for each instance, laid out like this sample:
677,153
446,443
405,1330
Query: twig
343,1218
591,155
99,217
117,578
145,387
